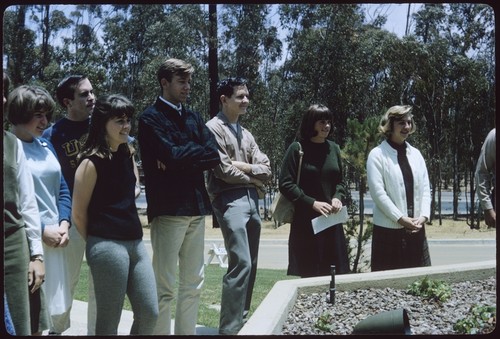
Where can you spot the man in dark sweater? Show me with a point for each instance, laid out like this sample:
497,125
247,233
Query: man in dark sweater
76,95
176,148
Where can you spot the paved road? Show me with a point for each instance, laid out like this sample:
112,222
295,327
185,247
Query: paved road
273,253
446,202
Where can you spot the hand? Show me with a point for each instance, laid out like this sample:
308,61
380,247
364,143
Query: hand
411,225
242,166
64,232
490,218
51,236
420,221
161,165
322,207
64,238
36,275
336,205
257,182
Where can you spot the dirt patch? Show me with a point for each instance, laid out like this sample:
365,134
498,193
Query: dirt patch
458,229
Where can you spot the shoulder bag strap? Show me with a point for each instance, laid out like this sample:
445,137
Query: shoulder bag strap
301,154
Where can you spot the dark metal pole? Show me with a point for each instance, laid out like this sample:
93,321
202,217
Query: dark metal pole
407,20
213,66
332,285
213,71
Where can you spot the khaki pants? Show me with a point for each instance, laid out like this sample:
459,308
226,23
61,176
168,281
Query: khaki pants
178,239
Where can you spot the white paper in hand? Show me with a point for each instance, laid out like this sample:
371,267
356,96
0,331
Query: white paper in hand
322,223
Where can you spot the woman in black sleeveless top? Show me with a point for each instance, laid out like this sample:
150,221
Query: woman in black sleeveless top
105,214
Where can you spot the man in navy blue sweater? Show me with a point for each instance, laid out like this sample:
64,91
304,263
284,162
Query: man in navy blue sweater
176,148
75,94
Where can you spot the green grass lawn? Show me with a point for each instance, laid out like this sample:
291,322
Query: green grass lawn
211,295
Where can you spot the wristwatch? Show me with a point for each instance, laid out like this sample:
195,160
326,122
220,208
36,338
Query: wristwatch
38,257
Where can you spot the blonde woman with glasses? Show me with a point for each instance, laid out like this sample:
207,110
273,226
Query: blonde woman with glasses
399,186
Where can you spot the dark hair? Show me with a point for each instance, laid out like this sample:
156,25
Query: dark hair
106,108
313,114
66,88
25,100
173,67
226,87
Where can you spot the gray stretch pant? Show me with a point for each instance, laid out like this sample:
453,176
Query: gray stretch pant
122,267
237,213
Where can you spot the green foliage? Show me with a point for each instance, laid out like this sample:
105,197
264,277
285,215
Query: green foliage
293,55
356,238
478,318
324,322
362,138
430,289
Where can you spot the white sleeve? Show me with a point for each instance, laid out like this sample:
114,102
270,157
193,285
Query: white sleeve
485,169
381,192
28,204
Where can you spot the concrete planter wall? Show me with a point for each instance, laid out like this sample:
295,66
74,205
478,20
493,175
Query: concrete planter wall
271,314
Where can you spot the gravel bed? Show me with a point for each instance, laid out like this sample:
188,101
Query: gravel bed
426,316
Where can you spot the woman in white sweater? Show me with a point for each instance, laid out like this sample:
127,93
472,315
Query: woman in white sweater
400,189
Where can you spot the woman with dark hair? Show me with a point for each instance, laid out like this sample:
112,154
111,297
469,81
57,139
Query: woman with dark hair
400,189
106,216
320,191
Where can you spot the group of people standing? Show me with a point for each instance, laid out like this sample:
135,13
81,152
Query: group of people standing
85,180
40,208
83,172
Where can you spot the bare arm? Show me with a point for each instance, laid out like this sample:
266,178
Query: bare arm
137,180
85,180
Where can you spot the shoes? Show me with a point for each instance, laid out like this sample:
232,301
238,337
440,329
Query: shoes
54,333
245,316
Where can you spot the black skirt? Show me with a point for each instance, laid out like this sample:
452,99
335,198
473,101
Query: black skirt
395,248
311,255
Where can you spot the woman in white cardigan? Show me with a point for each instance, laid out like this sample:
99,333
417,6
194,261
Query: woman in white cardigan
400,189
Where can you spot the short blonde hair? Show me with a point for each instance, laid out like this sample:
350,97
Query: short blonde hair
393,114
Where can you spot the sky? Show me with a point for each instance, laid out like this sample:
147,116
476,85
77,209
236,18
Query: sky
396,15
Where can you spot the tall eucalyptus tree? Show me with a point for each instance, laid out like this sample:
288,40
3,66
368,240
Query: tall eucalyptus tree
137,38
451,79
323,67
